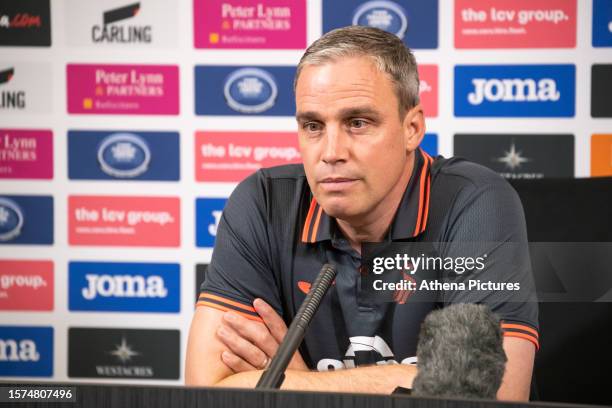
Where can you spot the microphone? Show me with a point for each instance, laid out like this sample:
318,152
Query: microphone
274,375
460,353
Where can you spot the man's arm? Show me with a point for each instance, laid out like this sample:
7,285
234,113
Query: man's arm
517,378
205,367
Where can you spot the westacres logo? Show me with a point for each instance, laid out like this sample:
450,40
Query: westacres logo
123,155
249,90
515,90
26,351
524,156
26,220
123,353
416,23
125,287
25,23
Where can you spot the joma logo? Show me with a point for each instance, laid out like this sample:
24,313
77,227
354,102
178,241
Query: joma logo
134,286
513,90
15,351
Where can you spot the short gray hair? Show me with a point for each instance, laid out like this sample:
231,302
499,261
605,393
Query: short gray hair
388,52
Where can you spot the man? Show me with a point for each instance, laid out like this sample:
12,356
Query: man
363,179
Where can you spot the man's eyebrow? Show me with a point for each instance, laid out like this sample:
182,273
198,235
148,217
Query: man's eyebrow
304,116
359,111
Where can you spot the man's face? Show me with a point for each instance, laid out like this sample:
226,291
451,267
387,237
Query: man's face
354,144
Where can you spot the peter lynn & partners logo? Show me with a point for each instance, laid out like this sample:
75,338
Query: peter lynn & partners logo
124,155
11,219
385,15
250,90
10,99
114,29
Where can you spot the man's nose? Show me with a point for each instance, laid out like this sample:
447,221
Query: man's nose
336,146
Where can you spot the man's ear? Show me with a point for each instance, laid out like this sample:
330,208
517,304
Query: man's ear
414,127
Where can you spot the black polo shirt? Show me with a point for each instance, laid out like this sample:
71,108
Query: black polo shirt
273,238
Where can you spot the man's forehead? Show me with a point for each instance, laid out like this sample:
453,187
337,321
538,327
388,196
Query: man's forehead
345,72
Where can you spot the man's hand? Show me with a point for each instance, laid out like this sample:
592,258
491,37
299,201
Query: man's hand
251,345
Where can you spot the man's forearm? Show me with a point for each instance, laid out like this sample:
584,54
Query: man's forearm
382,379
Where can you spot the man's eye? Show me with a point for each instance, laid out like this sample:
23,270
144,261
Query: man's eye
358,123
312,127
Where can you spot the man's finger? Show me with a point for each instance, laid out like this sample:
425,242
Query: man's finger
255,332
234,362
273,321
241,347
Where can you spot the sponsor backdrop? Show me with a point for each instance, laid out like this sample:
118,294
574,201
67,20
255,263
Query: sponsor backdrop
126,124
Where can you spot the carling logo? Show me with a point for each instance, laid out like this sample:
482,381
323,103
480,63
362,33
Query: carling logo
497,24
208,215
124,155
515,90
26,351
26,220
253,24
123,89
124,221
520,156
26,285
147,23
25,23
123,353
232,156
228,90
25,87
602,23
416,23
26,154
125,287
428,89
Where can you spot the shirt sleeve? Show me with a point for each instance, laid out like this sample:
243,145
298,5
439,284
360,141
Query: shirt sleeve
488,220
239,270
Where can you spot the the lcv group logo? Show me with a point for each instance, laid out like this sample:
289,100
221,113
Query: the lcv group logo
125,287
124,221
515,90
26,154
230,90
254,24
26,351
123,155
512,24
26,285
124,24
123,89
